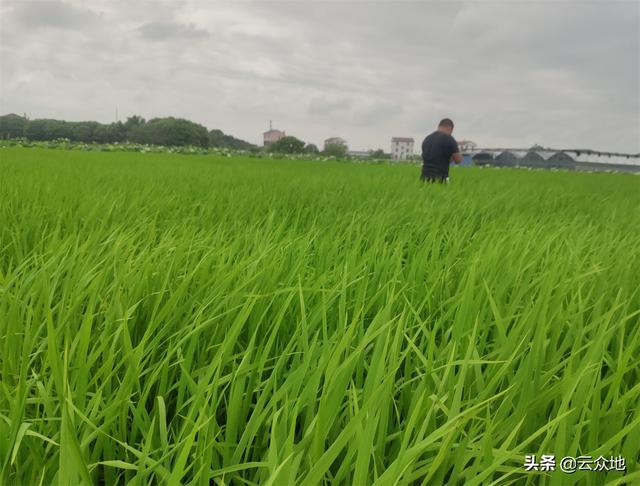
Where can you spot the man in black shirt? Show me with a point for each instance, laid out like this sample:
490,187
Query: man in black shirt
438,150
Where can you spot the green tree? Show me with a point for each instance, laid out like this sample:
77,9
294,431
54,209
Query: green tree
311,149
133,122
287,145
159,131
36,130
46,129
218,139
114,132
83,131
12,126
335,149
169,131
378,154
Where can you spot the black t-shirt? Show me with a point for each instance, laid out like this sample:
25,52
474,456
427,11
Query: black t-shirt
437,150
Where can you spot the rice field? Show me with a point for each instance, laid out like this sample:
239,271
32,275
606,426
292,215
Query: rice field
172,319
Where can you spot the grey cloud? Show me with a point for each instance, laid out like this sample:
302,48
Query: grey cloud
377,113
321,106
52,14
508,73
160,31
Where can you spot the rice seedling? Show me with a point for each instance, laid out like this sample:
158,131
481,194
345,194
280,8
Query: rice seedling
170,319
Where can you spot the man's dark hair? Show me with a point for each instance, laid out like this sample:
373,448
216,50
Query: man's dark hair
446,122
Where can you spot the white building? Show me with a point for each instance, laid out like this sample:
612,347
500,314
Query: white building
335,141
466,145
401,148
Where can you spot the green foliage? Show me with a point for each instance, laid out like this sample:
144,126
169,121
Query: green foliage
169,131
159,131
47,129
12,126
335,150
84,131
187,320
114,132
88,131
287,145
66,144
218,139
133,122
379,154
37,130
311,148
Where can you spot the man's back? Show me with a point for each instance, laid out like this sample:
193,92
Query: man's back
437,150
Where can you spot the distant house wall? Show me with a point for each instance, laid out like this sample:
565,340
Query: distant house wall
401,148
466,145
335,141
272,136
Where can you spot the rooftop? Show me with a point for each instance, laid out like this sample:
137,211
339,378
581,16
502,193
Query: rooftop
579,155
273,131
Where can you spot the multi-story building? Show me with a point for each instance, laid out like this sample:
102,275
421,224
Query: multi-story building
401,148
466,145
335,141
272,136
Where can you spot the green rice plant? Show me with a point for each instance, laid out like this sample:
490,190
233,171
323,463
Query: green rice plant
173,319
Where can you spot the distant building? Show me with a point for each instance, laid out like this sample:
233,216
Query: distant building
272,136
533,159
401,148
506,159
335,141
466,145
482,158
573,159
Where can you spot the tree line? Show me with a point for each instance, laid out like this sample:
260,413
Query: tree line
293,145
168,131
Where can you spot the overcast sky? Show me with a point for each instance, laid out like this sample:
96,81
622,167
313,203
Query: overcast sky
561,74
